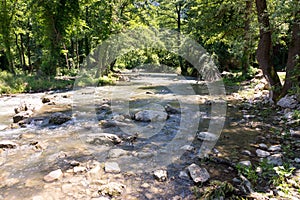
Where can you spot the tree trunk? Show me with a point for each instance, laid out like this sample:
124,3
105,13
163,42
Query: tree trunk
180,60
246,54
263,53
293,64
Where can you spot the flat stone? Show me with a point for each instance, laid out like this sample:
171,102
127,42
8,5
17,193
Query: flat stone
198,174
160,175
54,175
275,159
112,167
274,148
151,116
116,153
262,154
206,136
6,144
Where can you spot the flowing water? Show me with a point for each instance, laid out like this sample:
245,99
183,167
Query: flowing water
159,144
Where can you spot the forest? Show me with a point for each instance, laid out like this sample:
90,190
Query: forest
49,38
150,99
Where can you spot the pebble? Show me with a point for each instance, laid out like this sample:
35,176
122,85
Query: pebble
246,152
54,175
79,169
198,174
297,160
112,167
160,175
262,154
263,146
274,148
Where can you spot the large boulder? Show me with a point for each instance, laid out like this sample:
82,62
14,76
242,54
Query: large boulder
150,116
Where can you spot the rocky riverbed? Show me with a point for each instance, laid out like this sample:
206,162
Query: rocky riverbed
127,142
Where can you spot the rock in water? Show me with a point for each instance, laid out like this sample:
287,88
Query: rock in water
198,174
22,115
103,138
59,118
54,175
170,109
160,175
112,167
151,115
6,144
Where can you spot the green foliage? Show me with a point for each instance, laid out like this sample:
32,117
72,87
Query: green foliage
215,190
10,84
248,172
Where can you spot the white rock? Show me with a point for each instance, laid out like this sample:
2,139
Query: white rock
198,174
297,160
151,115
261,153
295,133
79,169
275,148
112,189
160,175
112,167
54,175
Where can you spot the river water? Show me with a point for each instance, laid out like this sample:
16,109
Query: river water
169,144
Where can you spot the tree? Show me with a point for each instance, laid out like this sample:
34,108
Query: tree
264,50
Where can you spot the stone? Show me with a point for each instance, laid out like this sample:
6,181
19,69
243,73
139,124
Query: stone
198,174
112,123
170,109
295,134
246,153
206,136
274,148
112,189
112,167
297,160
262,154
263,146
54,175
160,175
21,116
288,102
79,169
246,163
45,100
116,153
183,175
6,144
150,116
59,118
103,138
275,159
